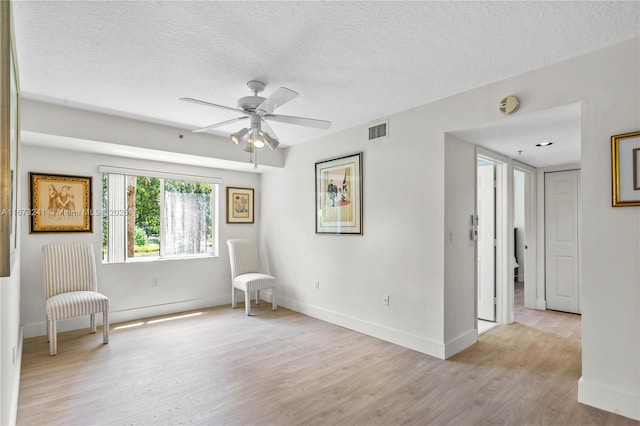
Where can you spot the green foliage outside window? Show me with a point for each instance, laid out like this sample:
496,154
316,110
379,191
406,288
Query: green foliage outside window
148,204
141,237
188,216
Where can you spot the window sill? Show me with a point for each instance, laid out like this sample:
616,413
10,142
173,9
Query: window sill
162,259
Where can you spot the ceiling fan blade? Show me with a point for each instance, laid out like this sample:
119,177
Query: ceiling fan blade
224,123
197,101
278,98
300,121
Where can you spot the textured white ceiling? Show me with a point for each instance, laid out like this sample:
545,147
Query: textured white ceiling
351,62
518,136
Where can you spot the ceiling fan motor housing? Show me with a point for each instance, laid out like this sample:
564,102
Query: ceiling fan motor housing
250,103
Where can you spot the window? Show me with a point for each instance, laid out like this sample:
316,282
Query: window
151,215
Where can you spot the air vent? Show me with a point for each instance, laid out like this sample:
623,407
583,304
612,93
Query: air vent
378,131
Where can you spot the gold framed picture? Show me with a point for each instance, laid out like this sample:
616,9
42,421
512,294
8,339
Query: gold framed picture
240,205
59,203
625,169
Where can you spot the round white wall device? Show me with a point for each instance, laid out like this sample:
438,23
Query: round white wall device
509,105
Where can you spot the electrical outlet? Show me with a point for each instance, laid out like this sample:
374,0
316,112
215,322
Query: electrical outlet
316,285
155,282
385,300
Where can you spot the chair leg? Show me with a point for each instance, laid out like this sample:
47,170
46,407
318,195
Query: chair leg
247,302
274,299
53,338
257,297
233,297
105,326
48,329
93,322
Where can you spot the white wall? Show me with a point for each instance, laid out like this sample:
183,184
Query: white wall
401,251
10,343
184,284
460,250
76,128
401,217
610,242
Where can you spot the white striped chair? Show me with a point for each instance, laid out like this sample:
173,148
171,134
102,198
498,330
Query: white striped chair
245,274
71,288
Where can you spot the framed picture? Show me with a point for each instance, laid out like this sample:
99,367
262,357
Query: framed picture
60,203
625,169
9,140
239,205
339,195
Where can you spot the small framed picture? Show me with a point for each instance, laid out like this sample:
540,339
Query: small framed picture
339,195
240,205
625,169
59,203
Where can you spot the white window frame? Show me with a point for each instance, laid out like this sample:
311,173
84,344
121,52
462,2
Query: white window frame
117,218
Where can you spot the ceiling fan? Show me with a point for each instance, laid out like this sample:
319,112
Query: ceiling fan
258,110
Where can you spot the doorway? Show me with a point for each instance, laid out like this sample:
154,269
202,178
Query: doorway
486,258
493,296
562,231
525,237
512,144
519,239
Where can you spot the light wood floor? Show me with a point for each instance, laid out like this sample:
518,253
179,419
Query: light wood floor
220,367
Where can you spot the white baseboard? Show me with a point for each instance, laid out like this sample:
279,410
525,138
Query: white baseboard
398,337
16,380
461,342
609,399
40,328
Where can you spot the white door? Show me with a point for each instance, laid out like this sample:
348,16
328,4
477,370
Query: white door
486,246
561,241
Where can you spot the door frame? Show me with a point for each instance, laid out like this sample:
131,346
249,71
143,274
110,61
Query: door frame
530,240
504,235
485,239
541,297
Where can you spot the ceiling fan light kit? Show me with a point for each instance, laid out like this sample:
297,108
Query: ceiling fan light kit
239,135
259,109
256,139
247,146
271,142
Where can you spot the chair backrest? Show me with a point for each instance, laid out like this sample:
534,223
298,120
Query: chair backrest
243,256
69,267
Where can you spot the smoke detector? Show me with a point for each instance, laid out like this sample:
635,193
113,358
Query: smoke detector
509,105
